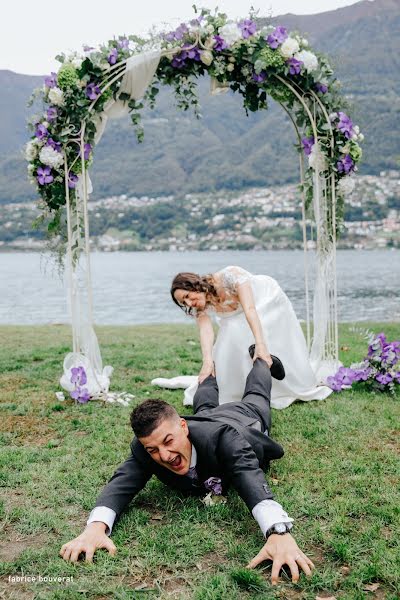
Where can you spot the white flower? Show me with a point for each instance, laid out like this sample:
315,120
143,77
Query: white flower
206,57
230,33
56,96
316,159
333,116
30,150
77,62
360,137
45,124
60,396
304,42
232,59
31,168
51,157
210,28
346,185
230,67
289,47
309,59
356,129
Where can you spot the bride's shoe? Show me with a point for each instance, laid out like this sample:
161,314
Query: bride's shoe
277,369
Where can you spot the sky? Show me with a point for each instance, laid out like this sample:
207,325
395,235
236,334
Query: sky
32,33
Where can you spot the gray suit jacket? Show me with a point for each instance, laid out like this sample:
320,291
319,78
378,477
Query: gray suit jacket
228,446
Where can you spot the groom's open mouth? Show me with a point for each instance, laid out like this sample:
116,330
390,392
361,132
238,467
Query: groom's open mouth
177,464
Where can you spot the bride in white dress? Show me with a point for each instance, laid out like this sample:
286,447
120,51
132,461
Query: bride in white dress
248,309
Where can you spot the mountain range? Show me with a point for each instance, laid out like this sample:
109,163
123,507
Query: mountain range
226,149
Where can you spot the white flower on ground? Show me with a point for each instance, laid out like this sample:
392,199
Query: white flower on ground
51,157
30,150
346,185
289,47
316,159
309,59
56,96
206,57
230,33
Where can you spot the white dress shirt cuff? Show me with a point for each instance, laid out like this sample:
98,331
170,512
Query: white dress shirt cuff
269,512
104,515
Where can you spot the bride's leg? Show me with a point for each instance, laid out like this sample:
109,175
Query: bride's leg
206,396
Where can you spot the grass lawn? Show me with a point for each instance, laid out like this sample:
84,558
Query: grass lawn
338,479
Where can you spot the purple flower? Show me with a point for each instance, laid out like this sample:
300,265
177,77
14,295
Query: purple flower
78,375
51,113
321,87
214,485
345,164
247,27
259,77
294,66
124,43
277,37
44,175
308,143
72,180
384,378
87,148
41,131
81,395
112,58
50,81
219,43
53,144
92,91
345,125
334,384
397,377
178,34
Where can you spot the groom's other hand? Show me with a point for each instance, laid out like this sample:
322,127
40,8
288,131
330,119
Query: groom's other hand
283,550
90,540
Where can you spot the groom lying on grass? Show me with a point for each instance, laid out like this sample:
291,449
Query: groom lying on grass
217,447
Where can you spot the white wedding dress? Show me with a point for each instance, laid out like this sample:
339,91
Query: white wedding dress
283,336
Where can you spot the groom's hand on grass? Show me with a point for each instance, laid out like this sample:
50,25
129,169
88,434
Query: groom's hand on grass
90,540
283,550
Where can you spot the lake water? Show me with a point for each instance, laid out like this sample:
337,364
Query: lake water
133,287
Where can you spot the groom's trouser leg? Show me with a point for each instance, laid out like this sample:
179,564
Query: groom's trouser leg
257,393
206,396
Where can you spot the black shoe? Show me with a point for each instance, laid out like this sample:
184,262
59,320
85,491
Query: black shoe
277,369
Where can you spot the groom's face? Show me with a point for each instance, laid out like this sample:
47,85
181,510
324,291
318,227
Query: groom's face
169,445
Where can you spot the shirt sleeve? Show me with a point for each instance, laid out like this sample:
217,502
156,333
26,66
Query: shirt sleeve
104,515
267,513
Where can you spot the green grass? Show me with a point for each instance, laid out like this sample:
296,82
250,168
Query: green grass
338,479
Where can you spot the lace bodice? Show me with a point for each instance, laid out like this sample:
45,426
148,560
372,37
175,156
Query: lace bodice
229,280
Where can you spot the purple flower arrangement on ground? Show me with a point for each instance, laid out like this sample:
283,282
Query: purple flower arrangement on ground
79,379
241,55
380,369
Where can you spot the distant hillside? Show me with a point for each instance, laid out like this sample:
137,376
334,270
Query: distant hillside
226,150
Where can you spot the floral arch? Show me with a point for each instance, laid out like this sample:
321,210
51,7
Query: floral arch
122,77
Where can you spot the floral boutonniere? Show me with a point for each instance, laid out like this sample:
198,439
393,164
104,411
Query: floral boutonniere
214,496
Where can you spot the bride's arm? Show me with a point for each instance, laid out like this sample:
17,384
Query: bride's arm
246,299
206,332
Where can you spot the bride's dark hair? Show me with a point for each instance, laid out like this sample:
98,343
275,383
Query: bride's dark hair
191,282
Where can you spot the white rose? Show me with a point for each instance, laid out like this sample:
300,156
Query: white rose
289,47
230,67
56,96
316,159
206,57
230,33
309,59
346,185
30,151
51,157
77,62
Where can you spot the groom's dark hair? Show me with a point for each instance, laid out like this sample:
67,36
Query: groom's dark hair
146,417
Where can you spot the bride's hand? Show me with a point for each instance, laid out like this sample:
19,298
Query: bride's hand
262,352
206,370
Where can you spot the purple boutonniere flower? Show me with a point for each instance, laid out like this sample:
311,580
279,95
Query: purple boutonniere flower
214,485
